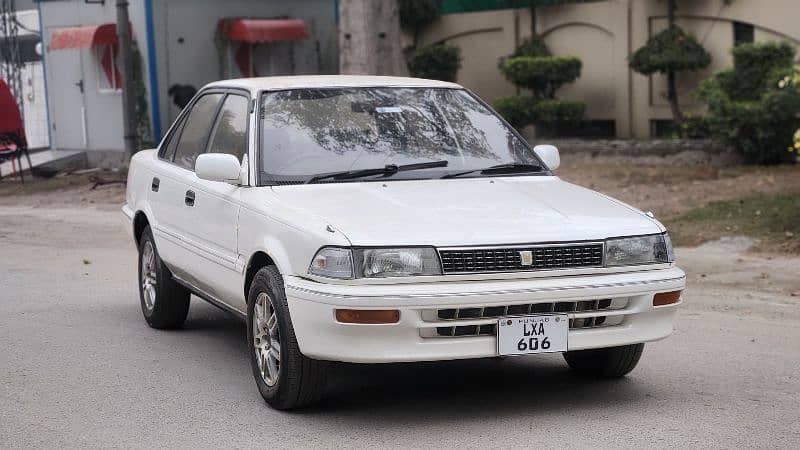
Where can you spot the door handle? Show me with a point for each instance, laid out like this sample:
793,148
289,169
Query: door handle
189,199
155,184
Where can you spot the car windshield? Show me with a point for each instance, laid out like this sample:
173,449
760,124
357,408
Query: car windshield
307,134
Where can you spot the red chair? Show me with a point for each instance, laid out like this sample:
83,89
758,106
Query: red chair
13,144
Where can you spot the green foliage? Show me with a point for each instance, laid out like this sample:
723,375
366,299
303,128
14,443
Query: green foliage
695,127
532,46
670,50
417,14
756,67
558,112
542,74
437,62
750,109
516,110
523,110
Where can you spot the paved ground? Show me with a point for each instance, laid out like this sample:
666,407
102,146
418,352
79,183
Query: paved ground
79,367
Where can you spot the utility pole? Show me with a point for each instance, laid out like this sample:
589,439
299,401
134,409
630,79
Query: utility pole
370,38
126,67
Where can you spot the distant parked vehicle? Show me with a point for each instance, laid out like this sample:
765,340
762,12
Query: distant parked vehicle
377,219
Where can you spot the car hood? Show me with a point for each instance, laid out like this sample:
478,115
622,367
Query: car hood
468,211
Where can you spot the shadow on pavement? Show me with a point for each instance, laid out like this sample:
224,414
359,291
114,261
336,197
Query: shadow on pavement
432,391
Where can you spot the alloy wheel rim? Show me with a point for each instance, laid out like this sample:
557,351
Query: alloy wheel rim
266,339
148,276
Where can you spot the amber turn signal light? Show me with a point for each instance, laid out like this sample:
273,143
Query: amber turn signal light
371,316
666,298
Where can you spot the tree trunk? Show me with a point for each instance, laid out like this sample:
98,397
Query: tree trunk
126,67
672,88
672,97
370,38
672,5
533,20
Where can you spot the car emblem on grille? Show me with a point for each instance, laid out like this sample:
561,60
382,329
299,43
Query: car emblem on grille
526,257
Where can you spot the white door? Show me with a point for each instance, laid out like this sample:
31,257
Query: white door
68,122
216,208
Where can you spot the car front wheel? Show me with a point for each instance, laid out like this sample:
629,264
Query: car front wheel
285,377
612,362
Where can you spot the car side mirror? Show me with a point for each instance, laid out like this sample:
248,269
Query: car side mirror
218,167
549,155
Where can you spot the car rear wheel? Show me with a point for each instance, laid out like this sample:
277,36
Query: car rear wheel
164,302
612,362
285,377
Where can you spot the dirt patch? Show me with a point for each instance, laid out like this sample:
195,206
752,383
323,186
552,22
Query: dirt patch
101,189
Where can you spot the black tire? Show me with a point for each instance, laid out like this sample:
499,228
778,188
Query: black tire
612,362
301,380
171,302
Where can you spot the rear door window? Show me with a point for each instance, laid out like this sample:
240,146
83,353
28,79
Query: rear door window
194,137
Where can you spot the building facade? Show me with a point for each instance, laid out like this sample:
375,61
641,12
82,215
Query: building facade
619,101
185,43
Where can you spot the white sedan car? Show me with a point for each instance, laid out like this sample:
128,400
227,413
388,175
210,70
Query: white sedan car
379,219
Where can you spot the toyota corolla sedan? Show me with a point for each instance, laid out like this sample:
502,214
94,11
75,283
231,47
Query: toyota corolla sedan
379,219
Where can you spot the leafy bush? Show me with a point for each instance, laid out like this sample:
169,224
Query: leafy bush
695,127
417,14
749,107
542,74
756,67
532,46
558,112
549,113
437,62
516,110
671,49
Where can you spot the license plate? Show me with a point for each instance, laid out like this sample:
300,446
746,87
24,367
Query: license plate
527,335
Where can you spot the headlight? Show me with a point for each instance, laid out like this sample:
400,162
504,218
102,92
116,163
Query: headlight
333,262
654,248
396,262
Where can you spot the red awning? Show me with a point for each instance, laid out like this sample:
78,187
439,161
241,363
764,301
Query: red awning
262,30
83,37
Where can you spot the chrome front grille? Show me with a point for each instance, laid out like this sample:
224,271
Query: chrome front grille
486,312
592,314
490,329
519,259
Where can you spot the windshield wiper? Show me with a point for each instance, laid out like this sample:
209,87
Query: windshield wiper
386,171
500,169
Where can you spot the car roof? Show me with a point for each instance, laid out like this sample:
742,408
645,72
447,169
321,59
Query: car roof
327,81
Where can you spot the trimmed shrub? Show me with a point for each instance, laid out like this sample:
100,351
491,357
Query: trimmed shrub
516,110
437,62
542,74
750,109
757,66
561,112
532,46
671,49
695,127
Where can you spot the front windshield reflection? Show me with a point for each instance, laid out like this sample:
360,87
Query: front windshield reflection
306,132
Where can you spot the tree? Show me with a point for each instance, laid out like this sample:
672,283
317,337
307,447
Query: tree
439,61
532,67
752,107
669,52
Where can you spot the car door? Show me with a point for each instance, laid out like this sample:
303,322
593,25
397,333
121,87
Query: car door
171,194
216,206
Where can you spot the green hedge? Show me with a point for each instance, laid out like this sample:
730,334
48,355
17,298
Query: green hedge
437,62
671,49
526,110
542,74
748,110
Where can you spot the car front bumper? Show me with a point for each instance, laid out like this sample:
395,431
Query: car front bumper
418,335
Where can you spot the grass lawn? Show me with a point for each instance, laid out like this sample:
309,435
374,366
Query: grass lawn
773,219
